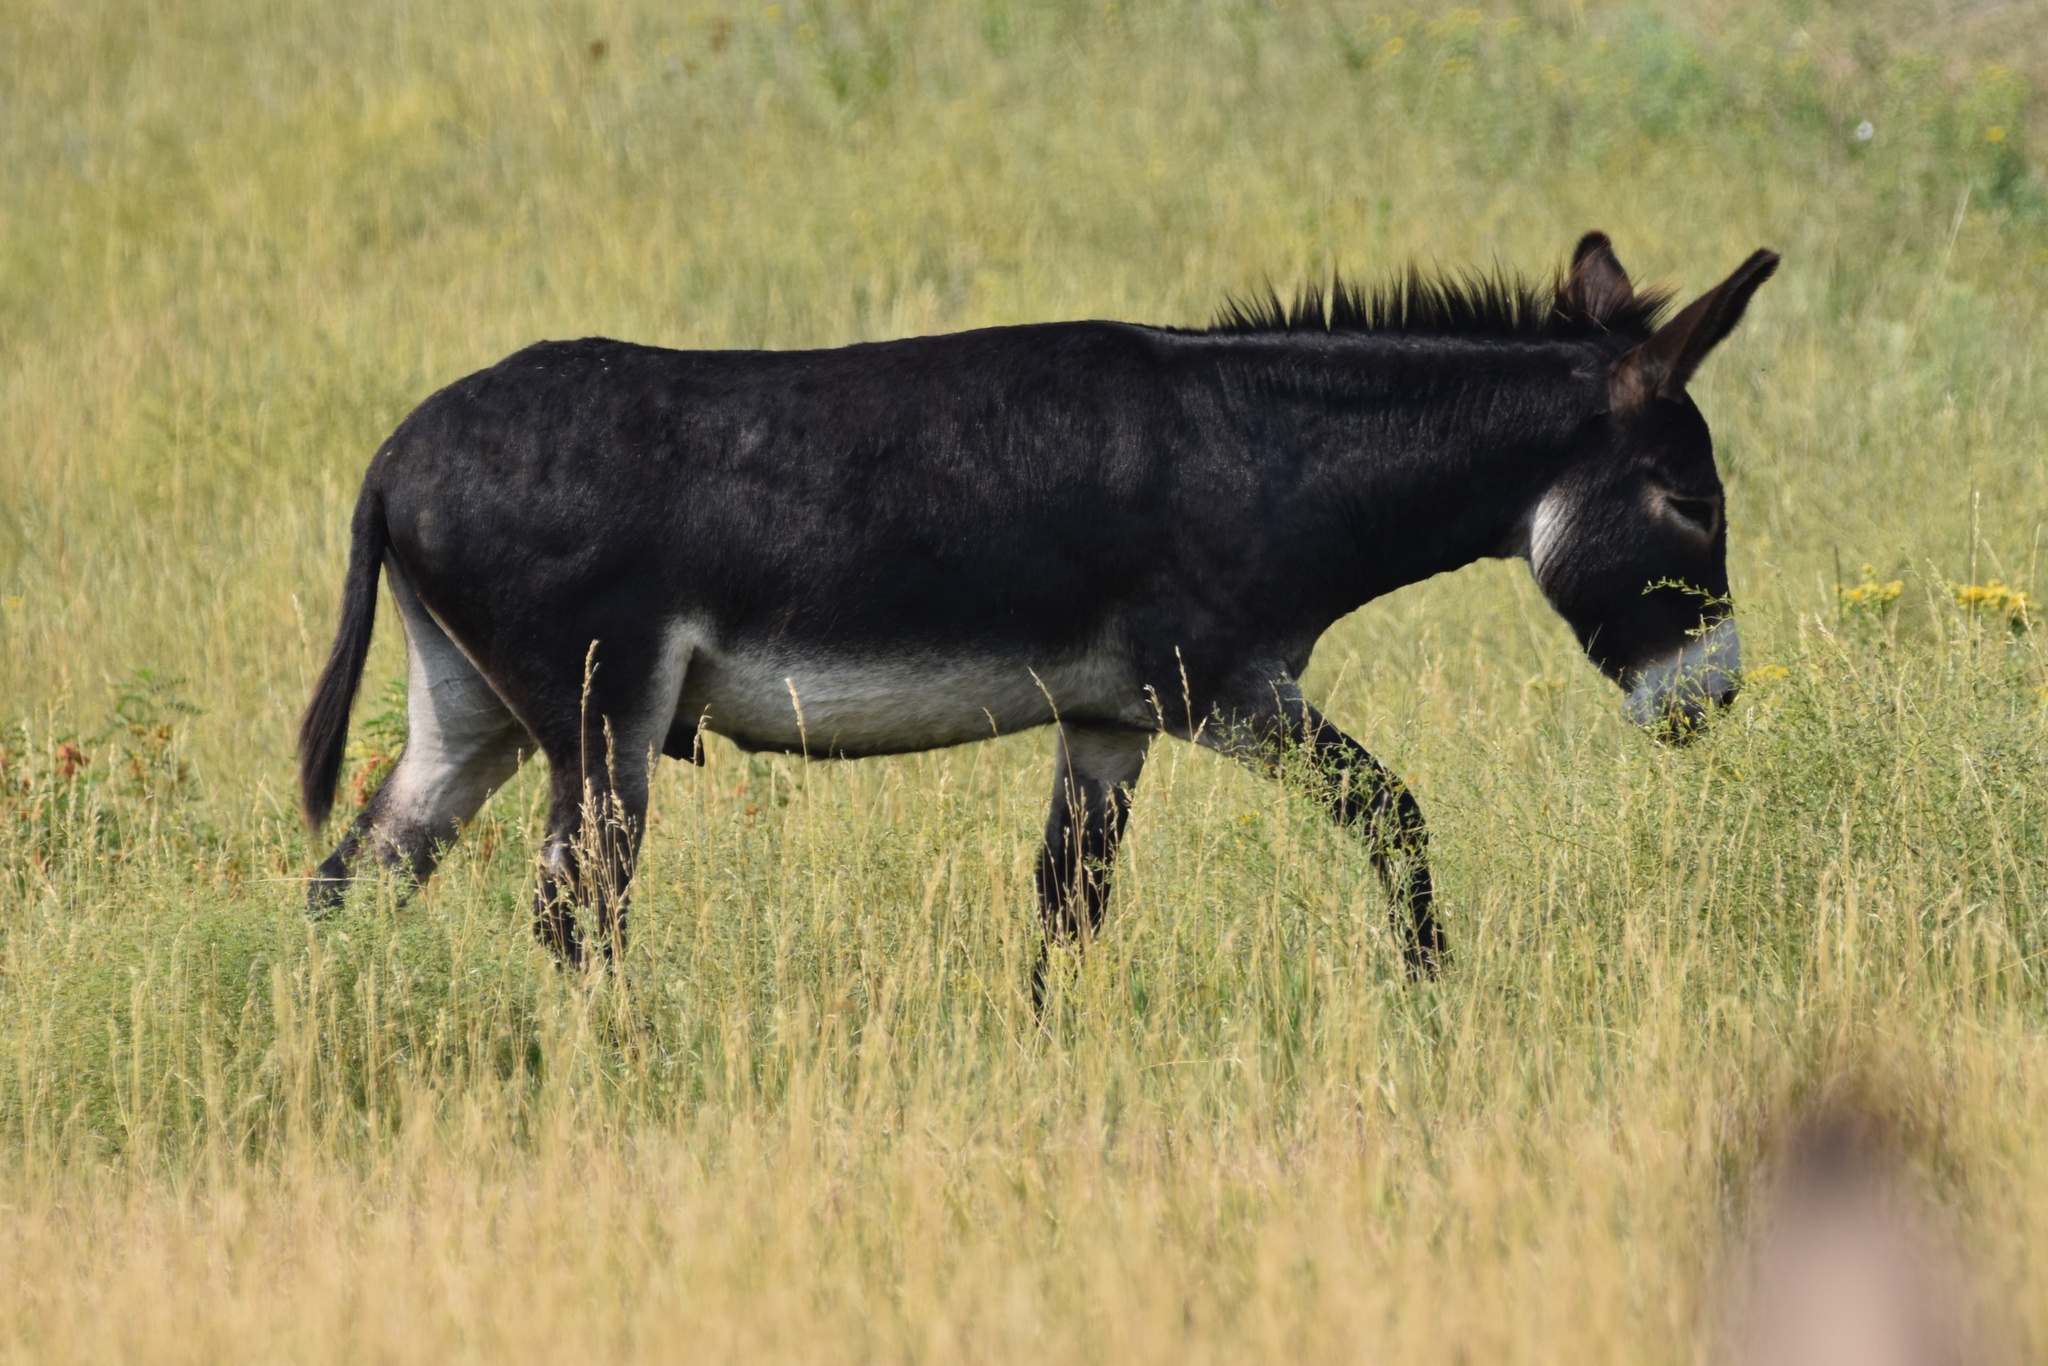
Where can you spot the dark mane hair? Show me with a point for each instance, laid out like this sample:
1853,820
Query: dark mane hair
1416,302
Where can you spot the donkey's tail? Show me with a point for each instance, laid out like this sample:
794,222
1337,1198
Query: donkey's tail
323,734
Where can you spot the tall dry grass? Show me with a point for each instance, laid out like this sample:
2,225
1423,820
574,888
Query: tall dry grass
813,1117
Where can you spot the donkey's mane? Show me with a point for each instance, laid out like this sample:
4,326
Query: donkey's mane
1416,302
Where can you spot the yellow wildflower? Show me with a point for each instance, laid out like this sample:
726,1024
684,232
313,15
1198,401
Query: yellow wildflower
1995,133
1873,595
1994,598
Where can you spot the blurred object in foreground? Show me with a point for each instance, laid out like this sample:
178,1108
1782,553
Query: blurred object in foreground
1851,1262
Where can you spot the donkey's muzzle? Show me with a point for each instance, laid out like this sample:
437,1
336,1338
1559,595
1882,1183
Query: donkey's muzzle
1676,693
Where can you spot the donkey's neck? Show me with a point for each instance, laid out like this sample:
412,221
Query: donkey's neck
1422,454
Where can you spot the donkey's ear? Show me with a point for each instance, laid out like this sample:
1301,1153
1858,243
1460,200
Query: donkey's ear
1596,286
1661,366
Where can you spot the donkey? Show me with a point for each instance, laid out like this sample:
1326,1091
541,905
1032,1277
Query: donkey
604,550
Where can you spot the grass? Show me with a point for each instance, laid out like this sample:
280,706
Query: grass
814,1117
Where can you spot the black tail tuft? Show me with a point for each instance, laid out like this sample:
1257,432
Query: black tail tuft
323,734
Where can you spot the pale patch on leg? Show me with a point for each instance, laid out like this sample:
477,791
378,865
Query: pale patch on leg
461,744
645,733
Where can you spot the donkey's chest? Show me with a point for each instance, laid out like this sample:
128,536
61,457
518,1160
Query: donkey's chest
823,703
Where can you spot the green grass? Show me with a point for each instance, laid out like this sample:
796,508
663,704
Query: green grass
814,1116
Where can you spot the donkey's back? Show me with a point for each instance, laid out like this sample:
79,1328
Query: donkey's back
940,488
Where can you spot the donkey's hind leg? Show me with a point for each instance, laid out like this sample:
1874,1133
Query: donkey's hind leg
461,743
1091,801
599,759
1272,722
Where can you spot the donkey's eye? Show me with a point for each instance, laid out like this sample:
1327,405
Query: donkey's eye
1701,516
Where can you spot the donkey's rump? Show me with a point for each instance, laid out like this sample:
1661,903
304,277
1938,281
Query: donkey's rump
872,501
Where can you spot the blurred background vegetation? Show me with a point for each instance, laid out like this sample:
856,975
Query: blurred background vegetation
813,1115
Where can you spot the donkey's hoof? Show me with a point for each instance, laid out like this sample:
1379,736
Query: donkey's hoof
327,888
1424,955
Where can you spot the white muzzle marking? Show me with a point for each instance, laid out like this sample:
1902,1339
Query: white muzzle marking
1688,682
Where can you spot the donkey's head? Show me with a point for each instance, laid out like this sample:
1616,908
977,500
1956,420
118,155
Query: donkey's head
1630,544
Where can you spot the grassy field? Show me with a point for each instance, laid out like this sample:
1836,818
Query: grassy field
813,1117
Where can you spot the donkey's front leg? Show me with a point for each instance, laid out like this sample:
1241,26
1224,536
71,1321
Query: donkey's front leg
1091,800
1362,794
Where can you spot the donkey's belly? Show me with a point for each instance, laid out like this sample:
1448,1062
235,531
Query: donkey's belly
822,704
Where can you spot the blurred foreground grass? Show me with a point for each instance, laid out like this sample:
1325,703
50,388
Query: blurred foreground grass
814,1118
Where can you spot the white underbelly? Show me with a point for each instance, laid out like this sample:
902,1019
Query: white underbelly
825,705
